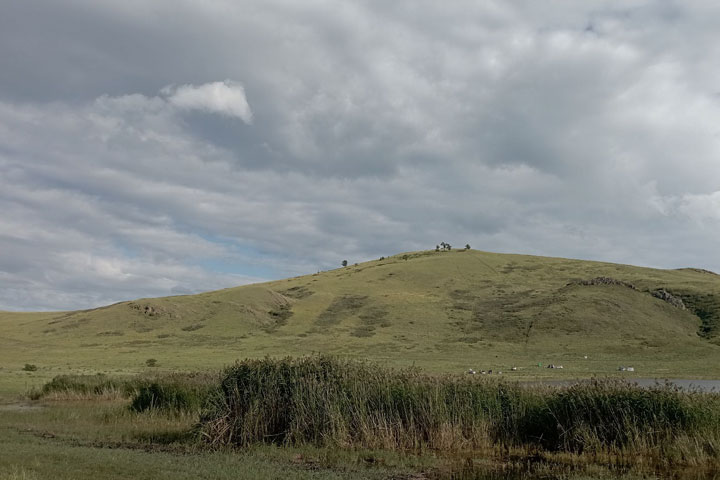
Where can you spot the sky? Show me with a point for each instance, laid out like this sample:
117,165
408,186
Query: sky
173,146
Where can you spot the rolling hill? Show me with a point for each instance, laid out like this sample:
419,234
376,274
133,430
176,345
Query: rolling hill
444,311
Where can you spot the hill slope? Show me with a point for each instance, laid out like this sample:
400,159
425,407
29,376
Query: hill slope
441,310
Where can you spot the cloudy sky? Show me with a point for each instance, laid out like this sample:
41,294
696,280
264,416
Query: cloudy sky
173,146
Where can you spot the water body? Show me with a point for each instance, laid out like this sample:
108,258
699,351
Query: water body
19,407
685,384
609,475
565,472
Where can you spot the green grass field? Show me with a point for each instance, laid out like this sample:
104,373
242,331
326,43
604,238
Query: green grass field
324,418
100,439
442,311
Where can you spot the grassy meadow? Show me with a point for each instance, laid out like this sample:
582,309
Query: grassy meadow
442,311
326,417
148,388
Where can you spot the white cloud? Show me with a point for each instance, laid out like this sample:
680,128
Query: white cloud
225,98
703,209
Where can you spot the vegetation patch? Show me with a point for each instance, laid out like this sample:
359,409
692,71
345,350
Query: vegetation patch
111,333
363,331
374,316
298,292
325,401
469,339
175,393
82,386
705,306
279,317
75,324
340,308
193,327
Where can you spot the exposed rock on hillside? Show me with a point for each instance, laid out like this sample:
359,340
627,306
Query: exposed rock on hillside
148,310
603,281
663,294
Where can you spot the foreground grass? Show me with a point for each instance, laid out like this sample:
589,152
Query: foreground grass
330,414
24,456
105,439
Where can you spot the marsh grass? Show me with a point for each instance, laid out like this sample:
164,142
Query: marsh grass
171,392
179,393
325,401
79,387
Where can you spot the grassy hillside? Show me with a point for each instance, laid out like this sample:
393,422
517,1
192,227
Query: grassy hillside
445,311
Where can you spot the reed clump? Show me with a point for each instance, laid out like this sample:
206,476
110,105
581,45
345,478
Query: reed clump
168,392
76,387
175,393
328,401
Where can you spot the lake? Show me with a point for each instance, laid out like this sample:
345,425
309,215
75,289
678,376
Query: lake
685,384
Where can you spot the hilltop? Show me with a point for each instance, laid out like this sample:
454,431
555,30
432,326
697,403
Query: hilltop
444,311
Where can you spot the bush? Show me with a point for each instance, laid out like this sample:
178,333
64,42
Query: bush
151,362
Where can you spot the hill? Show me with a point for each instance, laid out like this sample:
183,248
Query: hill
444,311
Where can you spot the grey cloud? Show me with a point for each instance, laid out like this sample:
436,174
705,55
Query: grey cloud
297,135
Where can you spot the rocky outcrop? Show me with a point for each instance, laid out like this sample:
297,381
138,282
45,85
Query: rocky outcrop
660,293
668,297
604,281
148,310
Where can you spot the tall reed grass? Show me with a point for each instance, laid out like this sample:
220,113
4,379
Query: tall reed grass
327,401
175,393
76,387
169,392
331,402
